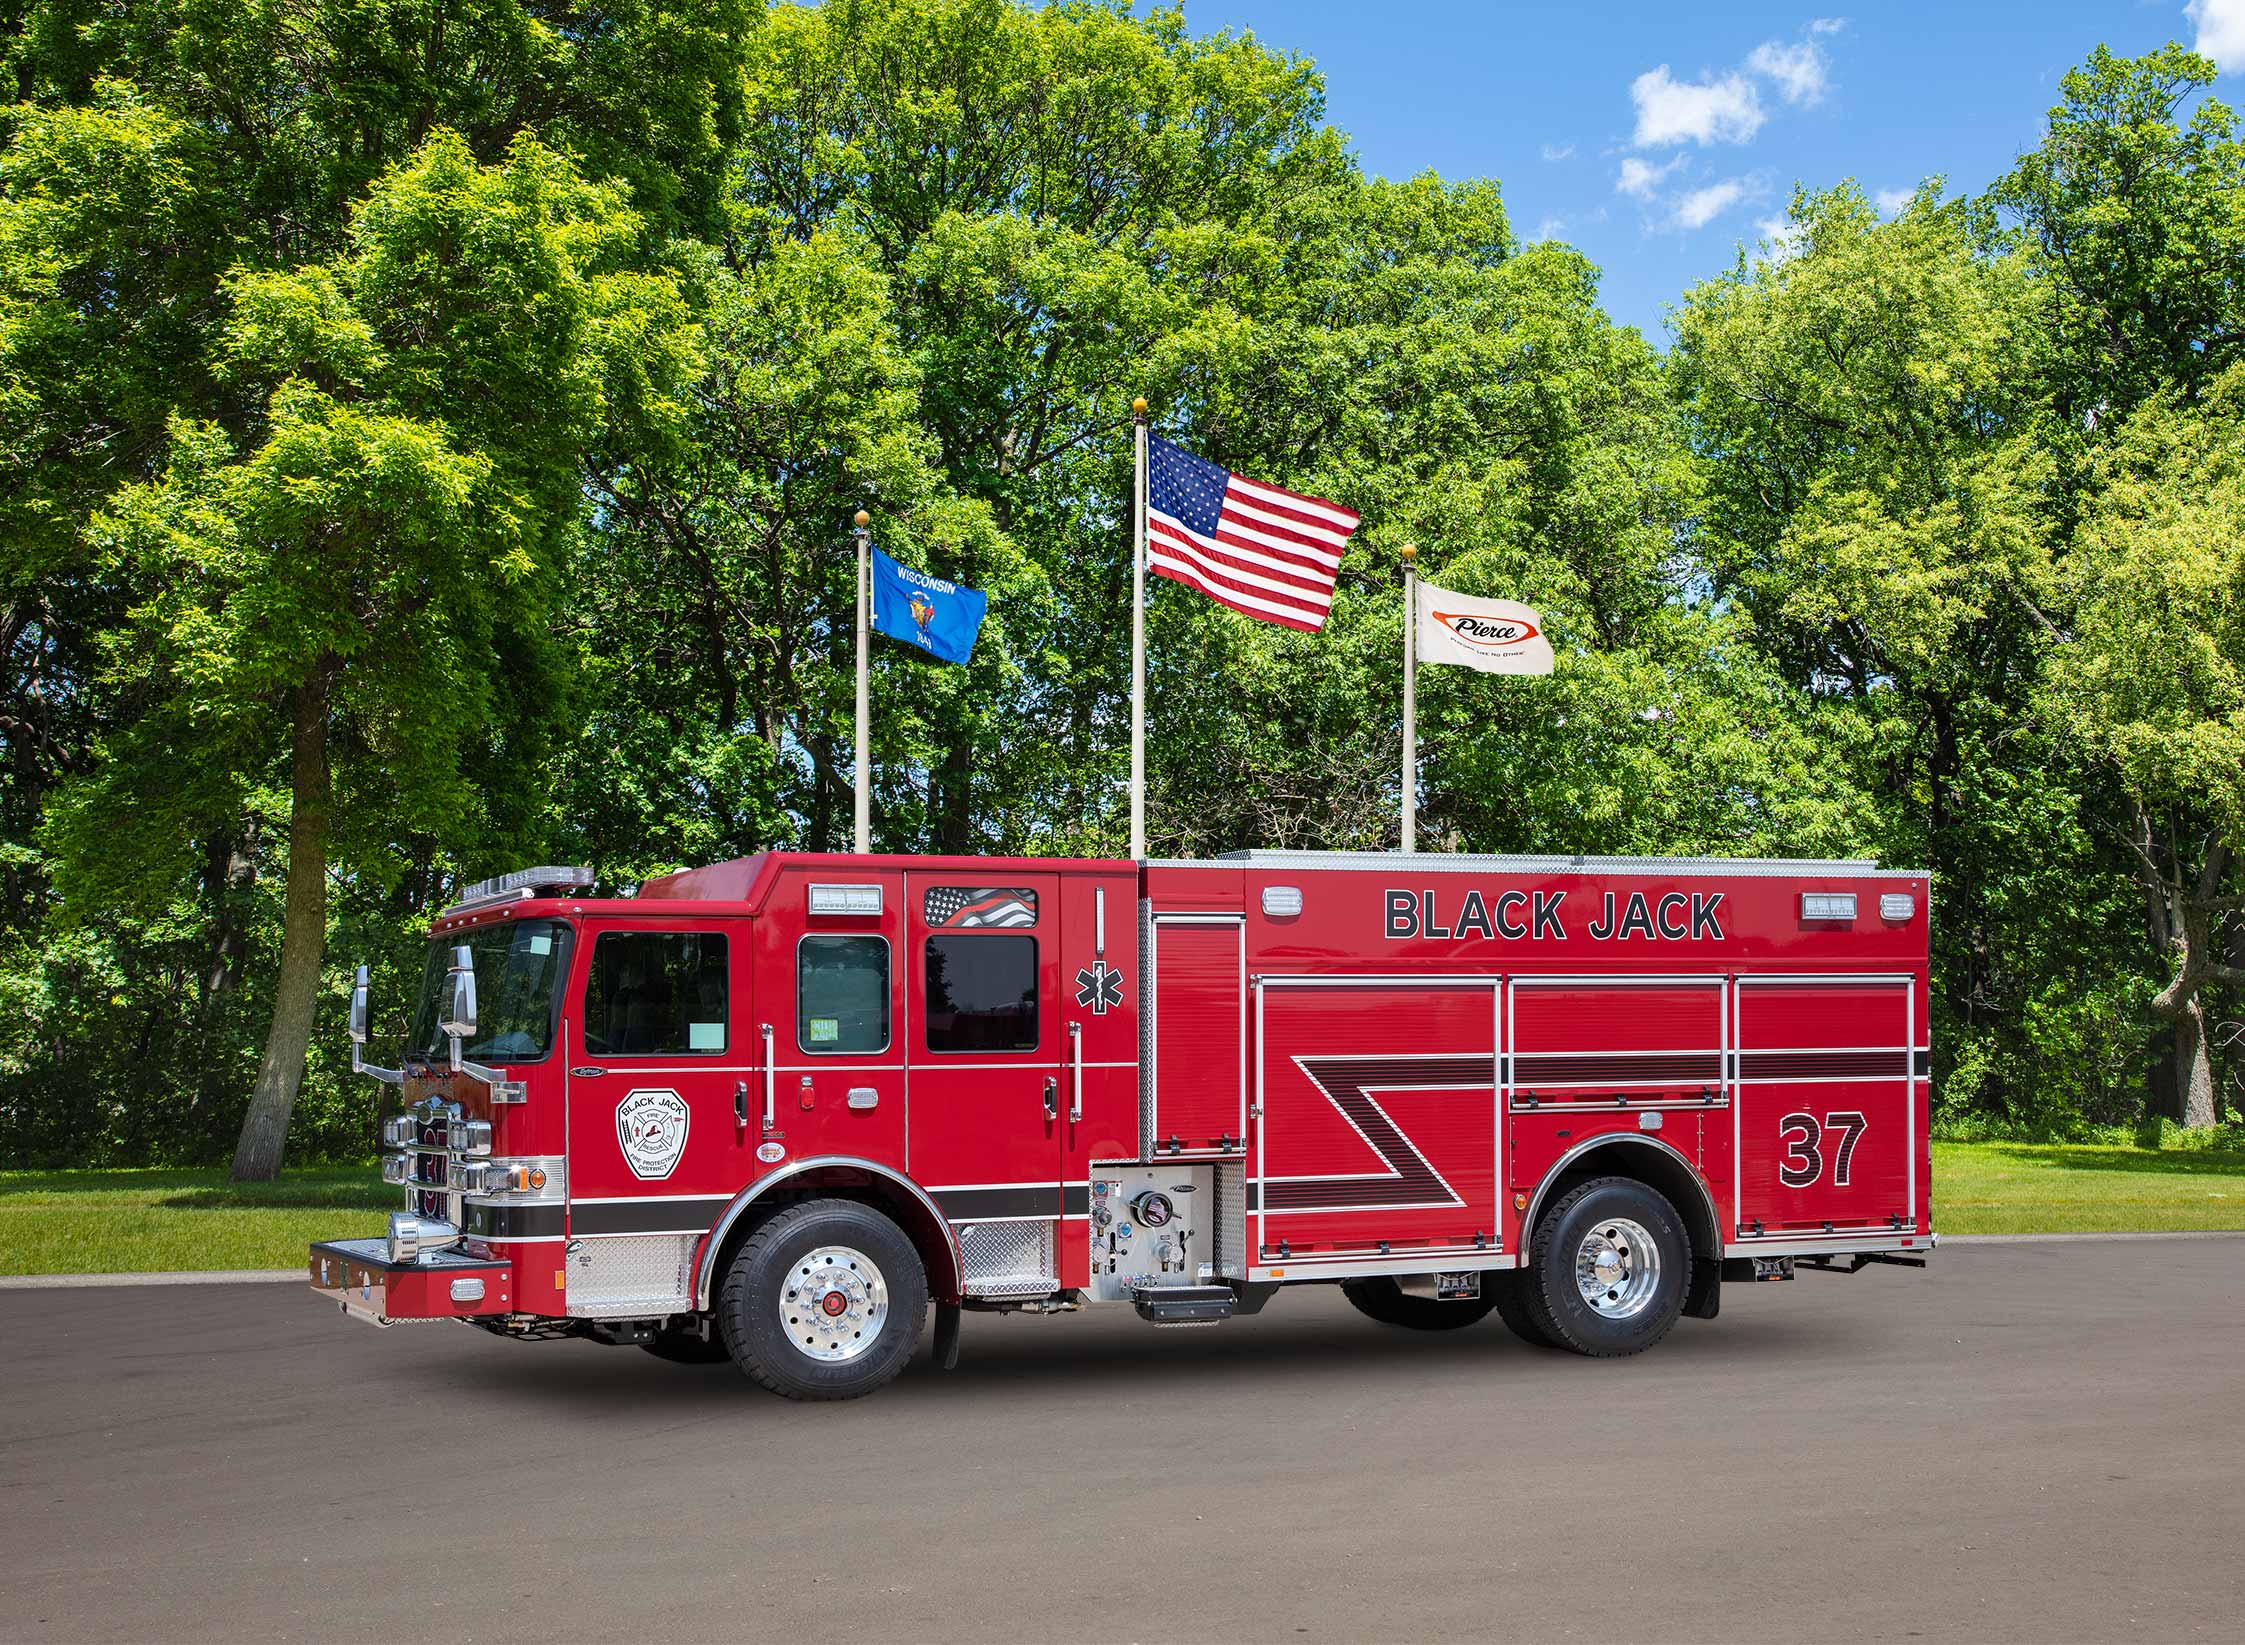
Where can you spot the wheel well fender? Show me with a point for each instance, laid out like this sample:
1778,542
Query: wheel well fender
833,1176
1658,1165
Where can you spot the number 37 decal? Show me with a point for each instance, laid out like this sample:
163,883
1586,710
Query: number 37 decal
1804,1139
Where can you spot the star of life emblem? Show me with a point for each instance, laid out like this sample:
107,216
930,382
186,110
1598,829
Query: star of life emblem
651,1129
1099,988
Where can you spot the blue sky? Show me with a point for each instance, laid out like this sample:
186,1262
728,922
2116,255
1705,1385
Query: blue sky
1657,137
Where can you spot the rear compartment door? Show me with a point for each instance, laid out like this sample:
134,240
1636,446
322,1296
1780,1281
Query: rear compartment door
1825,1140
1378,1124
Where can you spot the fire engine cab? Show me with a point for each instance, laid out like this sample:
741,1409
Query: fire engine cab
774,1108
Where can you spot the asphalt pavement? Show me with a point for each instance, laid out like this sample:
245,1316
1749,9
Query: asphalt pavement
2030,1442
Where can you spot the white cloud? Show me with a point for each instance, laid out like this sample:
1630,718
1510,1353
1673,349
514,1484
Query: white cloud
1826,25
1698,207
1669,110
1797,69
1641,177
1891,200
1559,151
1552,228
1784,237
2221,32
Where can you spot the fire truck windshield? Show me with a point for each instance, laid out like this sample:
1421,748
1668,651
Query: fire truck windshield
519,968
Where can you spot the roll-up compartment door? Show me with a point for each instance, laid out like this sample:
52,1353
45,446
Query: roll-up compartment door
1825,1125
1198,1101
1379,1130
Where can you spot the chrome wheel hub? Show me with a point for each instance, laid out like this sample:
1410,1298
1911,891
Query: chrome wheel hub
1617,1268
834,1303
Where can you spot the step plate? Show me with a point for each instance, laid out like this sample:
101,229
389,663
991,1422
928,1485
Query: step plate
1185,1304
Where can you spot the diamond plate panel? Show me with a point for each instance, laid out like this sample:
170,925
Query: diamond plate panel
1231,1221
630,1276
1008,1259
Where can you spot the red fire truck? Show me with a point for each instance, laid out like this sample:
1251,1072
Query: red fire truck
774,1108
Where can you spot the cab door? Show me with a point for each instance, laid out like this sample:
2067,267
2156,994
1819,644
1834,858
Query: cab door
988,1066
658,1050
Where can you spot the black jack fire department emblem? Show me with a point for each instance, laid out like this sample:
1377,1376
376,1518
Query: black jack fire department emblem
1099,988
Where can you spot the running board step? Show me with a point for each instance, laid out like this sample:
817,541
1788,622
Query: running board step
1185,1304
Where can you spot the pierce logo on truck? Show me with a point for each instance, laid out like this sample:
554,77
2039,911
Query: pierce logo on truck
651,1128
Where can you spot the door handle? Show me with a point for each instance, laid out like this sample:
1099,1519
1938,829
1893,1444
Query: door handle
1076,1067
770,1118
1052,1097
740,1106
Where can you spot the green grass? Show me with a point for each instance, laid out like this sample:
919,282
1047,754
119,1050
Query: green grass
94,1222
2051,1188
106,1222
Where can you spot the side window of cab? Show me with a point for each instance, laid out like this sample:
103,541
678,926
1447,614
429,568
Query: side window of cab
658,994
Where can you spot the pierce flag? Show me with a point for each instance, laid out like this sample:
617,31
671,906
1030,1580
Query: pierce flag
1495,636
941,618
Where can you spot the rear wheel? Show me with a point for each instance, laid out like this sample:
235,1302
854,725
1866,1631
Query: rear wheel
1511,1292
1608,1269
1382,1299
824,1301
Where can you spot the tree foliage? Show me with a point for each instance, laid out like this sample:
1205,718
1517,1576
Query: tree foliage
428,434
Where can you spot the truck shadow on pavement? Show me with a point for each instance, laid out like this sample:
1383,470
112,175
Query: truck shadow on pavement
1306,1356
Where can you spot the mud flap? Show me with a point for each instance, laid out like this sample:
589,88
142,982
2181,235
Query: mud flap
946,1345
1705,1298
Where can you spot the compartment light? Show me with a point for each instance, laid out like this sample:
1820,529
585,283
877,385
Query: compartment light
1896,905
1828,905
1282,902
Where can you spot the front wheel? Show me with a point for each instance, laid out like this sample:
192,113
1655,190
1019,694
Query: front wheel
824,1301
1608,1269
1382,1299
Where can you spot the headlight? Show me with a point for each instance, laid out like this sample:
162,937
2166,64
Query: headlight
397,1168
471,1136
398,1130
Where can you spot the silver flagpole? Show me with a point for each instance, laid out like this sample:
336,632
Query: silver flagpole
1410,700
864,702
1138,639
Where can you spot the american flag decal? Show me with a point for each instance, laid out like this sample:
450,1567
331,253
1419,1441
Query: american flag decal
963,907
1261,549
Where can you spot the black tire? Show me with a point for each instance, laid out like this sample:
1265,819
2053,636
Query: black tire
760,1336
683,1346
1382,1299
1555,1303
1511,1292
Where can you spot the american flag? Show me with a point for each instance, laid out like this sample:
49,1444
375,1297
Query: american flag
1258,548
964,907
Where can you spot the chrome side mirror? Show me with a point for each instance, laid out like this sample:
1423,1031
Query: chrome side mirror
460,997
359,1064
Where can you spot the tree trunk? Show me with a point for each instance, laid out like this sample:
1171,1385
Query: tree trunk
257,1158
2194,1068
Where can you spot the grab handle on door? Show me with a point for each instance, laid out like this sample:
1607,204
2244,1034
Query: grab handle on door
769,1116
1052,1098
1076,1067
740,1106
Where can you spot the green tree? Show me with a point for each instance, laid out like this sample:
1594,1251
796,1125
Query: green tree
2152,679
356,574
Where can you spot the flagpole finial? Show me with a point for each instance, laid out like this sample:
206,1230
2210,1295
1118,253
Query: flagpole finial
1138,409
861,519
1408,552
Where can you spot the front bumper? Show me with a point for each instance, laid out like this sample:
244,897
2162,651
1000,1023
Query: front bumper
359,1275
